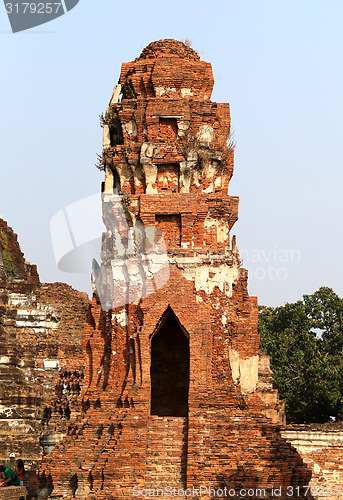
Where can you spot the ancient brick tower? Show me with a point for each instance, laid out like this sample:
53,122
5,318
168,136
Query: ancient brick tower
170,397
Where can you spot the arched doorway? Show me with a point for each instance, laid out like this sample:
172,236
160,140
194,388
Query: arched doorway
169,369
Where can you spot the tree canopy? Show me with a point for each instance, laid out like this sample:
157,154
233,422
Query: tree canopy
305,343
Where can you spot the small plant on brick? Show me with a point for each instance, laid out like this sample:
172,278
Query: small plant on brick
125,201
100,163
11,269
231,141
128,91
101,160
102,120
111,118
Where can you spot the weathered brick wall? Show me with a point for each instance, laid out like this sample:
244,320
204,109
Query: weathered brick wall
274,407
321,448
13,493
327,472
13,267
167,164
40,333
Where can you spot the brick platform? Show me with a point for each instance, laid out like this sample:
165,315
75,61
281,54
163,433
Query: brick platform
166,457
13,493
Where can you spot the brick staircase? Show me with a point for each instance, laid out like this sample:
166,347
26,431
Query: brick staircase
13,493
166,457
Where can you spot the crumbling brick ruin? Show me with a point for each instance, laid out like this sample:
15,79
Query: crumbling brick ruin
274,408
170,395
321,448
13,493
41,360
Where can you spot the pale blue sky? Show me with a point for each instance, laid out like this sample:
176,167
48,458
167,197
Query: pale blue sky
278,64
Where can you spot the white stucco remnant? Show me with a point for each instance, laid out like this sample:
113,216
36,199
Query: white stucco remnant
308,441
39,319
209,222
207,276
133,270
185,177
131,128
186,170
106,139
159,91
223,231
51,364
5,360
183,125
218,183
20,299
121,318
249,374
150,172
115,94
209,174
244,371
109,180
221,227
6,411
148,151
205,135
82,492
196,178
316,468
234,364
186,92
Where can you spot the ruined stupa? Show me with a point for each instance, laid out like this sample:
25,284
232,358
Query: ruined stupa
41,360
170,397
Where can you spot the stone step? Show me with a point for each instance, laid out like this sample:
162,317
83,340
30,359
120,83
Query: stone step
13,493
166,452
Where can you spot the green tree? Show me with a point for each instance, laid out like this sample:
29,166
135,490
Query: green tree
305,343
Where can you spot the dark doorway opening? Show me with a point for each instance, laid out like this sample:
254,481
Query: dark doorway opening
169,369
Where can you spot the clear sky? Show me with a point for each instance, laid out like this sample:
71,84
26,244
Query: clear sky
278,64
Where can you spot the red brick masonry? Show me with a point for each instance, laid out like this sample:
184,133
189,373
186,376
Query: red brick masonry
170,395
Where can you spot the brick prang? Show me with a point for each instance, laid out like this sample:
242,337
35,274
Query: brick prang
171,394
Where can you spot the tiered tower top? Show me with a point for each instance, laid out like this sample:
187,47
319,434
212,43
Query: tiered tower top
170,47
162,133
168,69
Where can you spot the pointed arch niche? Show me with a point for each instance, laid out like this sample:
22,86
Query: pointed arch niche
169,369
